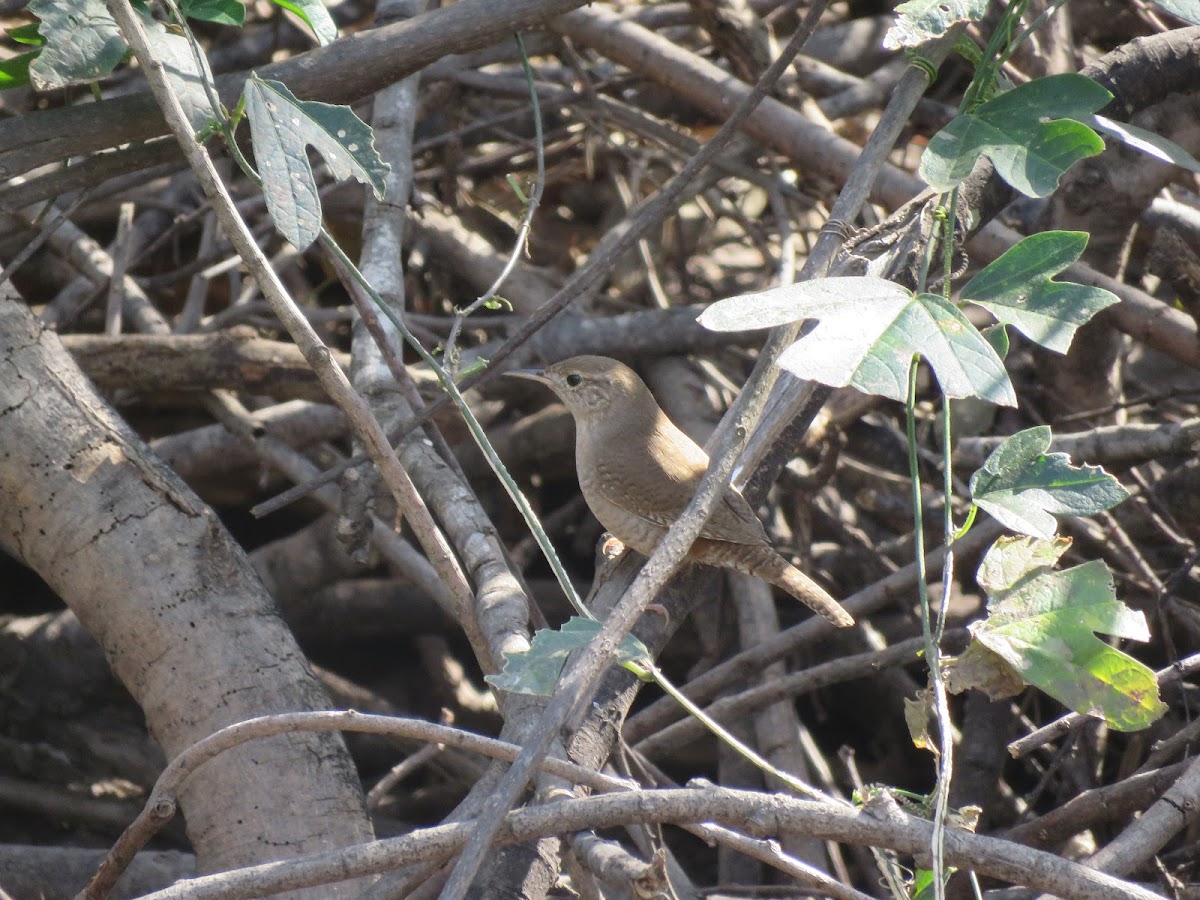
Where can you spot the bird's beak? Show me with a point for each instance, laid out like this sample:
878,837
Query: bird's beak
531,374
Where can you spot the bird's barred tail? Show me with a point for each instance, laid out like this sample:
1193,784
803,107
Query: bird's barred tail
770,566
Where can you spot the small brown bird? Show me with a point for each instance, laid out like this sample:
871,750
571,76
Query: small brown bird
638,473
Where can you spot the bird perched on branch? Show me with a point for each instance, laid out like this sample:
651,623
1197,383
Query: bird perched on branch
638,473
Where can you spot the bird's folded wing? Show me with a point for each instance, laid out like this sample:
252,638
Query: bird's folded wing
732,521
735,521
620,490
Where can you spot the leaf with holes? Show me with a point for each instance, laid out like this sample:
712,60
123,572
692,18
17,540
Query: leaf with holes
1022,485
281,129
83,43
918,21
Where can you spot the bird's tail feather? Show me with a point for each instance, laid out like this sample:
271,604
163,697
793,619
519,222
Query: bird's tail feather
770,566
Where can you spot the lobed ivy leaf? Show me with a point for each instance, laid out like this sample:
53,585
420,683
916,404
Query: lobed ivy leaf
1022,485
1043,623
83,43
536,670
867,332
1027,133
281,128
918,21
1018,289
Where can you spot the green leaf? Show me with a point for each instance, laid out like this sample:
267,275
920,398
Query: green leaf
1021,484
997,336
220,12
1044,622
83,43
1147,142
536,670
281,128
1188,10
867,333
1026,132
187,71
315,16
924,884
26,34
14,71
918,21
1017,289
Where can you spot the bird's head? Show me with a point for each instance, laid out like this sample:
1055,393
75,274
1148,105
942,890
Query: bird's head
592,386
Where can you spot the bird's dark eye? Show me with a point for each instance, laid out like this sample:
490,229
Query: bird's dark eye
574,379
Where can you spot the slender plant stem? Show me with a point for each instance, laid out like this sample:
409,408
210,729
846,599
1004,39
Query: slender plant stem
800,787
932,651
473,425
531,206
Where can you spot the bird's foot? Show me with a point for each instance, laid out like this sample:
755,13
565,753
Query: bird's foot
660,609
612,547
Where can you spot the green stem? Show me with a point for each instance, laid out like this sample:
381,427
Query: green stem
932,650
966,526
520,245
473,425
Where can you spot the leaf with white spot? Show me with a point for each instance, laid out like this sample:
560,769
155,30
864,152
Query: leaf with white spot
282,128
1019,290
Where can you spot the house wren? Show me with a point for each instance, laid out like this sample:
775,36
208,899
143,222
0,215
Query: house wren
638,473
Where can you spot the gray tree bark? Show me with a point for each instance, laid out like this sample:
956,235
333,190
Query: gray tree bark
173,600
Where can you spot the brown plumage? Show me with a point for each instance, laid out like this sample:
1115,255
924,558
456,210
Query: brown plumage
638,473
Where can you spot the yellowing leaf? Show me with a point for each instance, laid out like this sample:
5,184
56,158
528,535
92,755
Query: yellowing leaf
1043,623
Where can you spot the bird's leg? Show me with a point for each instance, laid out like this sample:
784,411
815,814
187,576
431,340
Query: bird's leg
611,551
